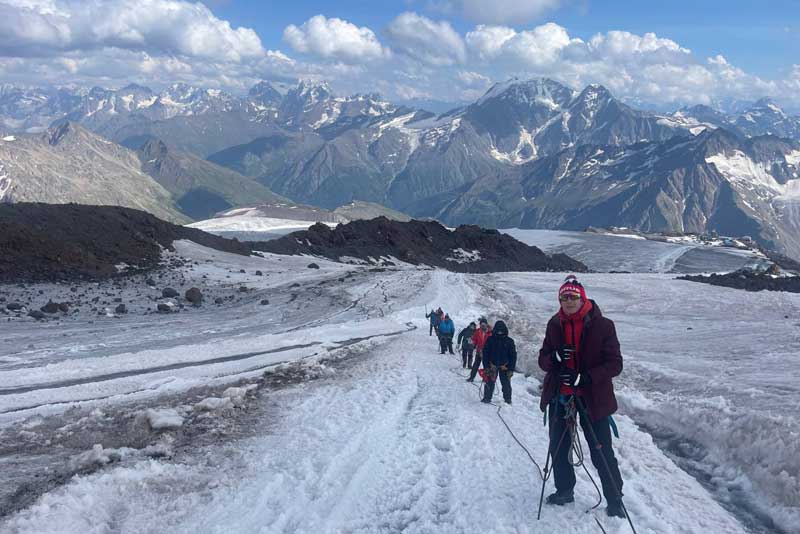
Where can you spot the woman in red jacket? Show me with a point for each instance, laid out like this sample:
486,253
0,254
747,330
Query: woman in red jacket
581,355
479,340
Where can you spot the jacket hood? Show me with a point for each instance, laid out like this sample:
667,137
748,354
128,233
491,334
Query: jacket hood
500,329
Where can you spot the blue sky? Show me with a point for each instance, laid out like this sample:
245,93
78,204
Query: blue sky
761,37
660,54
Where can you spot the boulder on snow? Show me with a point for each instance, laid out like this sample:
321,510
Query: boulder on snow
121,309
313,266
63,307
36,314
194,295
165,307
169,293
50,307
264,302
243,289
259,273
14,306
219,300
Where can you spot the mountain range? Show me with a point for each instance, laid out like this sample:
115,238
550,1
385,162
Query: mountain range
529,153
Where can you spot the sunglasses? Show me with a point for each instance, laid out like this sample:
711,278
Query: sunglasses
566,297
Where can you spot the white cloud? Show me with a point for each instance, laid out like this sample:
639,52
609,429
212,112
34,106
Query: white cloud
499,11
539,46
334,38
43,28
433,43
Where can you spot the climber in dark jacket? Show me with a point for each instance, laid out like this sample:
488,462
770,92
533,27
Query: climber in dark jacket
434,317
581,355
499,361
466,345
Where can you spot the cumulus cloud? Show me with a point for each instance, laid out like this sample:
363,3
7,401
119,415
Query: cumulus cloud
499,11
334,38
51,27
433,43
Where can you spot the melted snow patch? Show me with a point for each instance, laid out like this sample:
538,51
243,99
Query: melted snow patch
459,255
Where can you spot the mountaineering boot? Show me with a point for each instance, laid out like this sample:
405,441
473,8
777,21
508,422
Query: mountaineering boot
508,401
560,498
470,379
486,401
614,509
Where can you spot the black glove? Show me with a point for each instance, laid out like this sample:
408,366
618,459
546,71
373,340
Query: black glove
566,352
571,378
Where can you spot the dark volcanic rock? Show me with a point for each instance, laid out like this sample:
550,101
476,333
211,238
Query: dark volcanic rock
313,266
50,307
264,302
749,281
467,249
36,314
194,295
49,242
169,293
121,309
164,308
14,306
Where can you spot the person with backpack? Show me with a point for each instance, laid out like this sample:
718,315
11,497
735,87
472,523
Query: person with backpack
581,355
466,344
446,332
479,340
499,361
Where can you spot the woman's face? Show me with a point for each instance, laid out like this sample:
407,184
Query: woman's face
570,303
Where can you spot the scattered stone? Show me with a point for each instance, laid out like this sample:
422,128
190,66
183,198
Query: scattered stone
169,293
194,295
259,273
14,306
63,307
313,266
242,271
50,307
219,300
36,314
242,289
164,308
121,309
150,282
265,302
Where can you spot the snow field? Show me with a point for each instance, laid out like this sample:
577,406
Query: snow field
396,441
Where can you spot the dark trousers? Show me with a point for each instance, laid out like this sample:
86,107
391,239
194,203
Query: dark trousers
446,343
430,332
475,365
563,471
505,382
466,357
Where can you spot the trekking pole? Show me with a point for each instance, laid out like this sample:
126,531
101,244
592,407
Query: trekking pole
545,476
584,413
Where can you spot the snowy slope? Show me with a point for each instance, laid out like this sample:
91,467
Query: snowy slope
394,440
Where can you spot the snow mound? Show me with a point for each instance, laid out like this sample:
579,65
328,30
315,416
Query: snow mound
164,419
214,404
